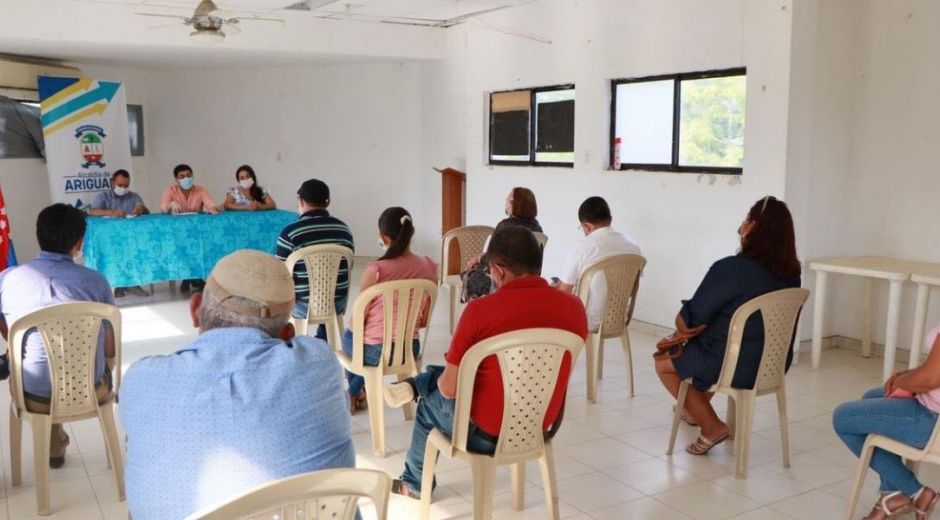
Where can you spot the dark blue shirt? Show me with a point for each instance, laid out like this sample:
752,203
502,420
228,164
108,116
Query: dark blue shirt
313,228
730,283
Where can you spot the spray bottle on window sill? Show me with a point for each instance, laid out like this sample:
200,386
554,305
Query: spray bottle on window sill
616,164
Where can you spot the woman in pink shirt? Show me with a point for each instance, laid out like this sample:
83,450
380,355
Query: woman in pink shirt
184,196
905,410
398,263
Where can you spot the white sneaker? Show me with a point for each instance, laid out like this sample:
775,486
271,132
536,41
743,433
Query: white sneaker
398,394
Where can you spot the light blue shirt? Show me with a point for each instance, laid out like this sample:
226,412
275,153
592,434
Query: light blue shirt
49,279
109,200
231,410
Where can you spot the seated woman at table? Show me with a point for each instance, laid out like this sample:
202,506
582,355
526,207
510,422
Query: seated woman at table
766,262
398,263
184,196
905,409
247,195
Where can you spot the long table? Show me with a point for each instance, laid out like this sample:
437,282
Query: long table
896,271
160,248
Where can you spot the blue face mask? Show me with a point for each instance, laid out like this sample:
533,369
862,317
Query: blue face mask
186,183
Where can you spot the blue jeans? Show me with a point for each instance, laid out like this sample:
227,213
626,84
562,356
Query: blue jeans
904,420
434,411
300,311
371,355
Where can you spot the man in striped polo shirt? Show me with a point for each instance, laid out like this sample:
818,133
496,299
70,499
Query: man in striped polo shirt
315,226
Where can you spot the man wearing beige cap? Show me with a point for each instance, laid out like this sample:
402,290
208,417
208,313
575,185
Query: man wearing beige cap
243,404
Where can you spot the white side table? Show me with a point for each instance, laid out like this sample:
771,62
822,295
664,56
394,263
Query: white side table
925,276
894,270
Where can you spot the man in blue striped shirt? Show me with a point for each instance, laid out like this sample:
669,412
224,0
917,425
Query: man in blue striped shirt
316,226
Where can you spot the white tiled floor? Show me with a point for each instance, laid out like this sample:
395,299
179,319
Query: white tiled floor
610,455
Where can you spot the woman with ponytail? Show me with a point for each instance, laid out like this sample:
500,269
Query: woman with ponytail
396,230
247,195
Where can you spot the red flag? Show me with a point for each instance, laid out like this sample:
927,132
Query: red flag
7,253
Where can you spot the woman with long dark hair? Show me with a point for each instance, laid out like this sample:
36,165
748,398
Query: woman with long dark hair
247,195
396,229
766,262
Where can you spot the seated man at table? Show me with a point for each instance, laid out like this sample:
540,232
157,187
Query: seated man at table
243,404
51,278
183,196
523,300
316,226
120,201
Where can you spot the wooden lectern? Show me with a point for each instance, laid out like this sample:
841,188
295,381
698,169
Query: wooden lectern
452,195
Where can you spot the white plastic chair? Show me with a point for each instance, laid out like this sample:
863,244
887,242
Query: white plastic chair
542,238
470,242
622,275
70,333
322,263
403,302
913,456
779,310
530,362
330,494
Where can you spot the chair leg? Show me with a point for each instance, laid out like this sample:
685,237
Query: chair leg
743,437
517,485
591,353
864,460
376,412
427,478
332,338
42,436
600,358
16,448
680,405
484,475
731,420
300,326
112,444
408,408
628,356
784,427
547,464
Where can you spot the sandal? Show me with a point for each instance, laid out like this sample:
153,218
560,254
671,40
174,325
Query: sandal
684,417
925,512
358,402
399,488
881,511
702,445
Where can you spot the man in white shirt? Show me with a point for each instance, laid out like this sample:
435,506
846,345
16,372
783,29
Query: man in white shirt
600,242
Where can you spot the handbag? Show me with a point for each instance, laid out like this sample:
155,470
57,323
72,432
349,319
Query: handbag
476,282
673,345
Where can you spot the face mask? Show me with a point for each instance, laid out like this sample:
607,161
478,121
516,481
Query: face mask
120,191
186,183
382,245
246,183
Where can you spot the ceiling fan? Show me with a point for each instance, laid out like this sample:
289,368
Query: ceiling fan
208,21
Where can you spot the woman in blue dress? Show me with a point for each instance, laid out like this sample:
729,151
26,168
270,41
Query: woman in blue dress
766,262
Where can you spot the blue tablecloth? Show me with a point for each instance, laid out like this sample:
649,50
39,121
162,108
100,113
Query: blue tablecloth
160,248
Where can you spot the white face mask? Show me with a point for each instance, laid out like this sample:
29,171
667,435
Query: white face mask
246,183
186,183
120,191
382,245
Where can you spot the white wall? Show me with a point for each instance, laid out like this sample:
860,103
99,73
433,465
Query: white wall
355,126
25,182
683,222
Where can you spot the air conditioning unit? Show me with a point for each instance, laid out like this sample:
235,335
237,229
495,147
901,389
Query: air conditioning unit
18,76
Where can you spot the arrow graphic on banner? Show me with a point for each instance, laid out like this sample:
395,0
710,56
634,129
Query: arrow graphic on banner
105,91
79,86
97,108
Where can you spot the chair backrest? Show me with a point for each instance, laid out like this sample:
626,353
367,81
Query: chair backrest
622,275
322,263
530,363
542,238
470,241
403,303
70,333
330,494
779,310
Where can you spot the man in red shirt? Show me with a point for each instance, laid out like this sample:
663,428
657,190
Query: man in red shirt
523,300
